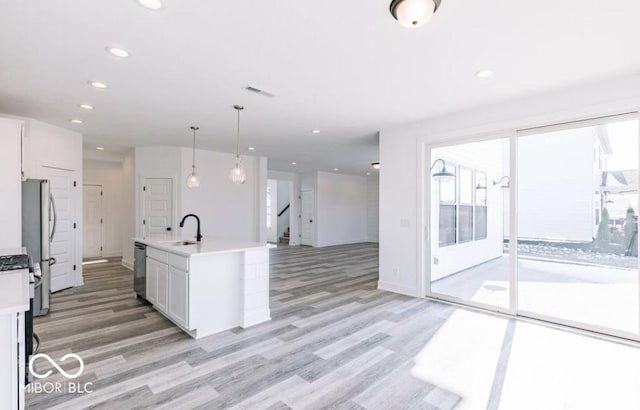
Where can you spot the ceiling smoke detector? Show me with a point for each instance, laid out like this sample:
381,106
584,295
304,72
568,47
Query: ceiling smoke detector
256,90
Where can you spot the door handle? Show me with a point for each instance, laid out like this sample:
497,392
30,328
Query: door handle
311,220
55,217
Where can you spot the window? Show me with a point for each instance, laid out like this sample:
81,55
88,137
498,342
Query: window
463,211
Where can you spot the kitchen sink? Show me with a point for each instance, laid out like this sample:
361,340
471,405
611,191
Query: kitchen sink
180,243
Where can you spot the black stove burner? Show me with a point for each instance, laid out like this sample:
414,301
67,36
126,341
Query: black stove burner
13,262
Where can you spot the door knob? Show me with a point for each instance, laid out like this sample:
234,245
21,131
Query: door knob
168,228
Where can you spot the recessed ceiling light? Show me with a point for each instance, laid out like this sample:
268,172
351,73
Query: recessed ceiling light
336,169
251,148
118,52
368,173
76,121
294,163
86,106
151,4
98,84
484,73
100,148
316,131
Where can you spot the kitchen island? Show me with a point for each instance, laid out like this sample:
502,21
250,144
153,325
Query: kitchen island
207,287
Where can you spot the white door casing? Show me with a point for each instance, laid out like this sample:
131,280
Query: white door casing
157,206
307,212
272,210
63,244
92,221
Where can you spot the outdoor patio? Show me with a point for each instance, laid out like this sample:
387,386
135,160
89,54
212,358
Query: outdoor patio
594,294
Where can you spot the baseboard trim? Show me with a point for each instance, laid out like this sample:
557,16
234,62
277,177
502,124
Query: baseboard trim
396,288
127,264
338,243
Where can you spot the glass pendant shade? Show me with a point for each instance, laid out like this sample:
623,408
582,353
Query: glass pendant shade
193,181
238,175
413,13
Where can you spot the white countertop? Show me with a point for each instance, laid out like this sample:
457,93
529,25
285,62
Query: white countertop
14,291
208,246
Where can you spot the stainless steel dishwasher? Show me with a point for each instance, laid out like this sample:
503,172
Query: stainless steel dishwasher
140,270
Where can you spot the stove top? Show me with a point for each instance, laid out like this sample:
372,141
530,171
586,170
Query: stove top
13,262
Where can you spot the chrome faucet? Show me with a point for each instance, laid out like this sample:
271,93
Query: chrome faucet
198,234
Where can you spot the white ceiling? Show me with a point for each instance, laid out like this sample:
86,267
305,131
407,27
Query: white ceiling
345,67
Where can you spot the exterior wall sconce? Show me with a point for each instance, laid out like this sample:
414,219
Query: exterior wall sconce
443,174
482,183
505,182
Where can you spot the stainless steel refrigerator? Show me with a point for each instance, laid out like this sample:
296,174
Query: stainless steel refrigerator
38,229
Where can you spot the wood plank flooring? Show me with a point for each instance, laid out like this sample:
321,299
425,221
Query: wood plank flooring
334,341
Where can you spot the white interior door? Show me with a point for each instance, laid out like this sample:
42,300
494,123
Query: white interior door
63,244
308,212
158,206
92,221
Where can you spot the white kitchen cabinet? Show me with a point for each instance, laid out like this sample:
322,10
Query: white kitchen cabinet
179,296
152,280
163,287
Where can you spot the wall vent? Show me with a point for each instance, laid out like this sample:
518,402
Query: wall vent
259,91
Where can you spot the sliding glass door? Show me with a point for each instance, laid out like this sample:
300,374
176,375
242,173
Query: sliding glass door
577,225
541,224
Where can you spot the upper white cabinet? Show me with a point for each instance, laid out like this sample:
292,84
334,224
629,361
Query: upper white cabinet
11,183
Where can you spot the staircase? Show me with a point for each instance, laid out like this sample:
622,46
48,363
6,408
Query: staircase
285,237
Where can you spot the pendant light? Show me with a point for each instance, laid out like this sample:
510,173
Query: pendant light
413,13
442,175
193,181
238,175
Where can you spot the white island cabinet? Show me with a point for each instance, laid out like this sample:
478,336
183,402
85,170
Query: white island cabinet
209,287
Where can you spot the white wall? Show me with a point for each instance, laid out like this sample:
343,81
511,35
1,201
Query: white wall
226,210
294,196
341,211
10,181
129,207
402,151
48,146
110,176
272,231
373,208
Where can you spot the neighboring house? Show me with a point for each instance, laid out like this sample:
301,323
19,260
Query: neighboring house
561,196
467,214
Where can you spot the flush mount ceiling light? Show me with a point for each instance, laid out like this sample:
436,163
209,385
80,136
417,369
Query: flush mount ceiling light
151,4
484,73
251,148
98,84
238,175
294,163
413,13
443,174
118,52
316,131
375,165
193,180
76,121
86,106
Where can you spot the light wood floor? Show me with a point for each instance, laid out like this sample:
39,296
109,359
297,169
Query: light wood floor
334,342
